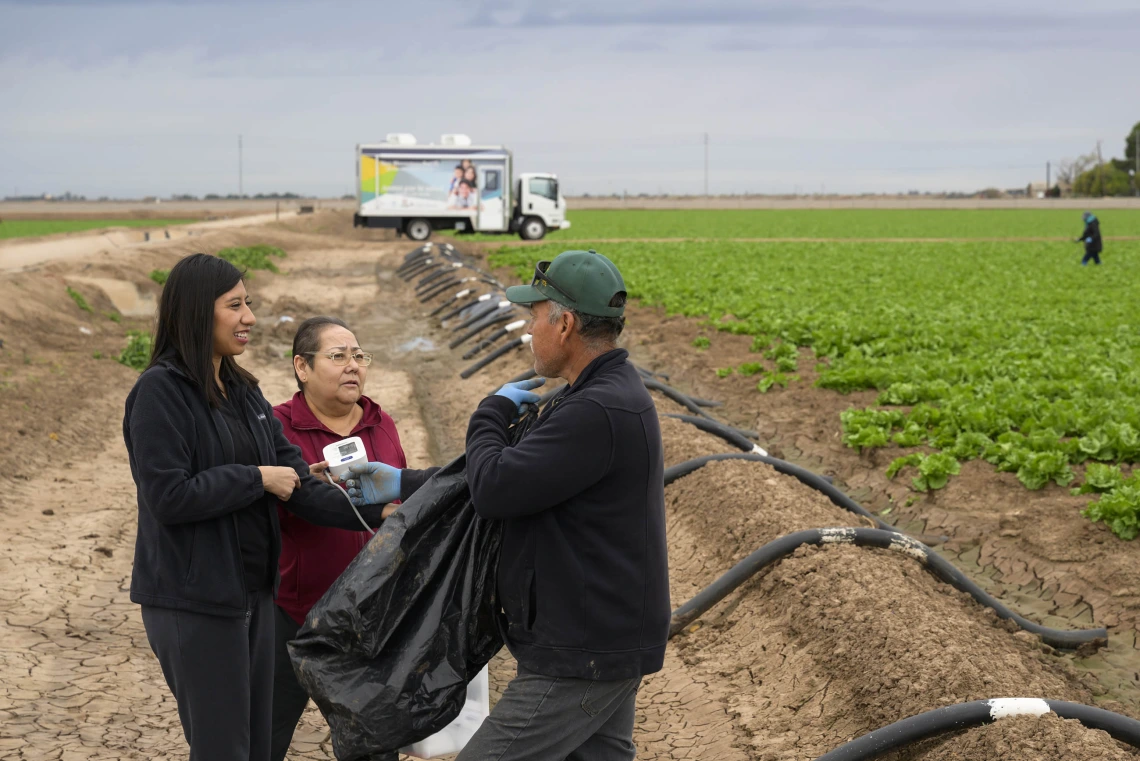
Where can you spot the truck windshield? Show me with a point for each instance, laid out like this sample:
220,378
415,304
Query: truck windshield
545,187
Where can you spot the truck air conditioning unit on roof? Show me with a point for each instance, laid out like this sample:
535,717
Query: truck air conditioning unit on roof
400,138
458,141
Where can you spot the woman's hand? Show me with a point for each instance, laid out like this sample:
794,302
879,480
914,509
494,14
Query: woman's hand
318,468
279,481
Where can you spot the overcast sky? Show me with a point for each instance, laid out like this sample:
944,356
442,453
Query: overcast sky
146,97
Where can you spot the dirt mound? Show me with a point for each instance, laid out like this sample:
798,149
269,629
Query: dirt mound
735,506
1029,738
834,642
684,441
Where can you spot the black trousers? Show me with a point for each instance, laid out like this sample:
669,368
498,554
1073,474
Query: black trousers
221,673
289,697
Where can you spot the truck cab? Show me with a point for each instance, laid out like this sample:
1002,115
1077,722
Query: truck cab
539,206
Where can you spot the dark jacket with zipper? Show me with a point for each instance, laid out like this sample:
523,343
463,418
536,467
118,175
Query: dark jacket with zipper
187,554
583,573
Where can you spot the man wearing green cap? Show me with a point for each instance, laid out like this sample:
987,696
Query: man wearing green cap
583,576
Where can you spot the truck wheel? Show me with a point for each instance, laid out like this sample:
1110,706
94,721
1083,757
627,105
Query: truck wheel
532,228
418,229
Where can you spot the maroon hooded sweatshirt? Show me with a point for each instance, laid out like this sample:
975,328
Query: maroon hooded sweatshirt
312,557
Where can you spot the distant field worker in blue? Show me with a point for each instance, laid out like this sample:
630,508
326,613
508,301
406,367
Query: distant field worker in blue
1091,238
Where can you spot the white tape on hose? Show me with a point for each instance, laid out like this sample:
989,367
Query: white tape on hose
514,325
1001,708
526,339
757,450
504,304
463,293
484,297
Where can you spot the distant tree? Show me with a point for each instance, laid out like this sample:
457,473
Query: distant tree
1069,169
1116,182
1130,146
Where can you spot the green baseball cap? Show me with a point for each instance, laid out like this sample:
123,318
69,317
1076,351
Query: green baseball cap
585,281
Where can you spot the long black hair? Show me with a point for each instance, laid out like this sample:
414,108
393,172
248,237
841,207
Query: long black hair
184,333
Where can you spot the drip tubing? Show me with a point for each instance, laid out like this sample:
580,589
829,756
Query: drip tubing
459,309
439,287
424,266
479,327
481,310
651,373
812,480
975,714
507,347
728,433
686,402
526,375
869,537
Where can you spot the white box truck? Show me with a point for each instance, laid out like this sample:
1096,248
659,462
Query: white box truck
452,186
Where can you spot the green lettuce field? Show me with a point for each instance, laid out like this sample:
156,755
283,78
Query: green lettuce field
1008,351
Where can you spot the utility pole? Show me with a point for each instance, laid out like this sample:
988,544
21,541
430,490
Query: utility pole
1100,168
706,165
1047,171
241,191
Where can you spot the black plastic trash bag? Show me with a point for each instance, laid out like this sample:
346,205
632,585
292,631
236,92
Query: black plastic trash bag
388,651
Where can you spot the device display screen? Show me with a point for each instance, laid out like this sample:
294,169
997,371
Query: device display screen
346,449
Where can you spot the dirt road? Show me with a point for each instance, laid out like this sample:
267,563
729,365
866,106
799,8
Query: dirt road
827,645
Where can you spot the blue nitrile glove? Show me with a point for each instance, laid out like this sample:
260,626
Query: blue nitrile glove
1088,240
520,393
373,483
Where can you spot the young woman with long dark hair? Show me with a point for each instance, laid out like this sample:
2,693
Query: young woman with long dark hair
210,463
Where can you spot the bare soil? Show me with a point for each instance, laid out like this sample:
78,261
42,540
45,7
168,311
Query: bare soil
815,650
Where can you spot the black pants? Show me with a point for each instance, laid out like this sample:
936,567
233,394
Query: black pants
1094,255
221,673
289,697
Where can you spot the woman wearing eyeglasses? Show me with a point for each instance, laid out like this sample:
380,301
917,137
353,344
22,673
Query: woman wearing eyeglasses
330,368
211,468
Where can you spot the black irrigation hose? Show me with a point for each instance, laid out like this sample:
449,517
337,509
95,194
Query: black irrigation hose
705,402
526,375
485,343
459,309
494,319
869,537
427,280
728,433
507,347
434,291
651,373
688,403
675,395
423,266
488,307
821,484
975,714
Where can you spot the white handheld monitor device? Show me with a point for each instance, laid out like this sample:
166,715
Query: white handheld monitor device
344,453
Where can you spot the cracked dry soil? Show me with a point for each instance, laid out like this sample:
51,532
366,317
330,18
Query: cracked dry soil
822,647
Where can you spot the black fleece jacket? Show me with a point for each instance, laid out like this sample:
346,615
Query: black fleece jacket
583,573
182,458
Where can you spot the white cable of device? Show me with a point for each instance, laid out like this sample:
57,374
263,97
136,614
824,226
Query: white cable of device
358,515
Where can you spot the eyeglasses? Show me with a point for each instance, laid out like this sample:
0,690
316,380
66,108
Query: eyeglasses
541,278
341,358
